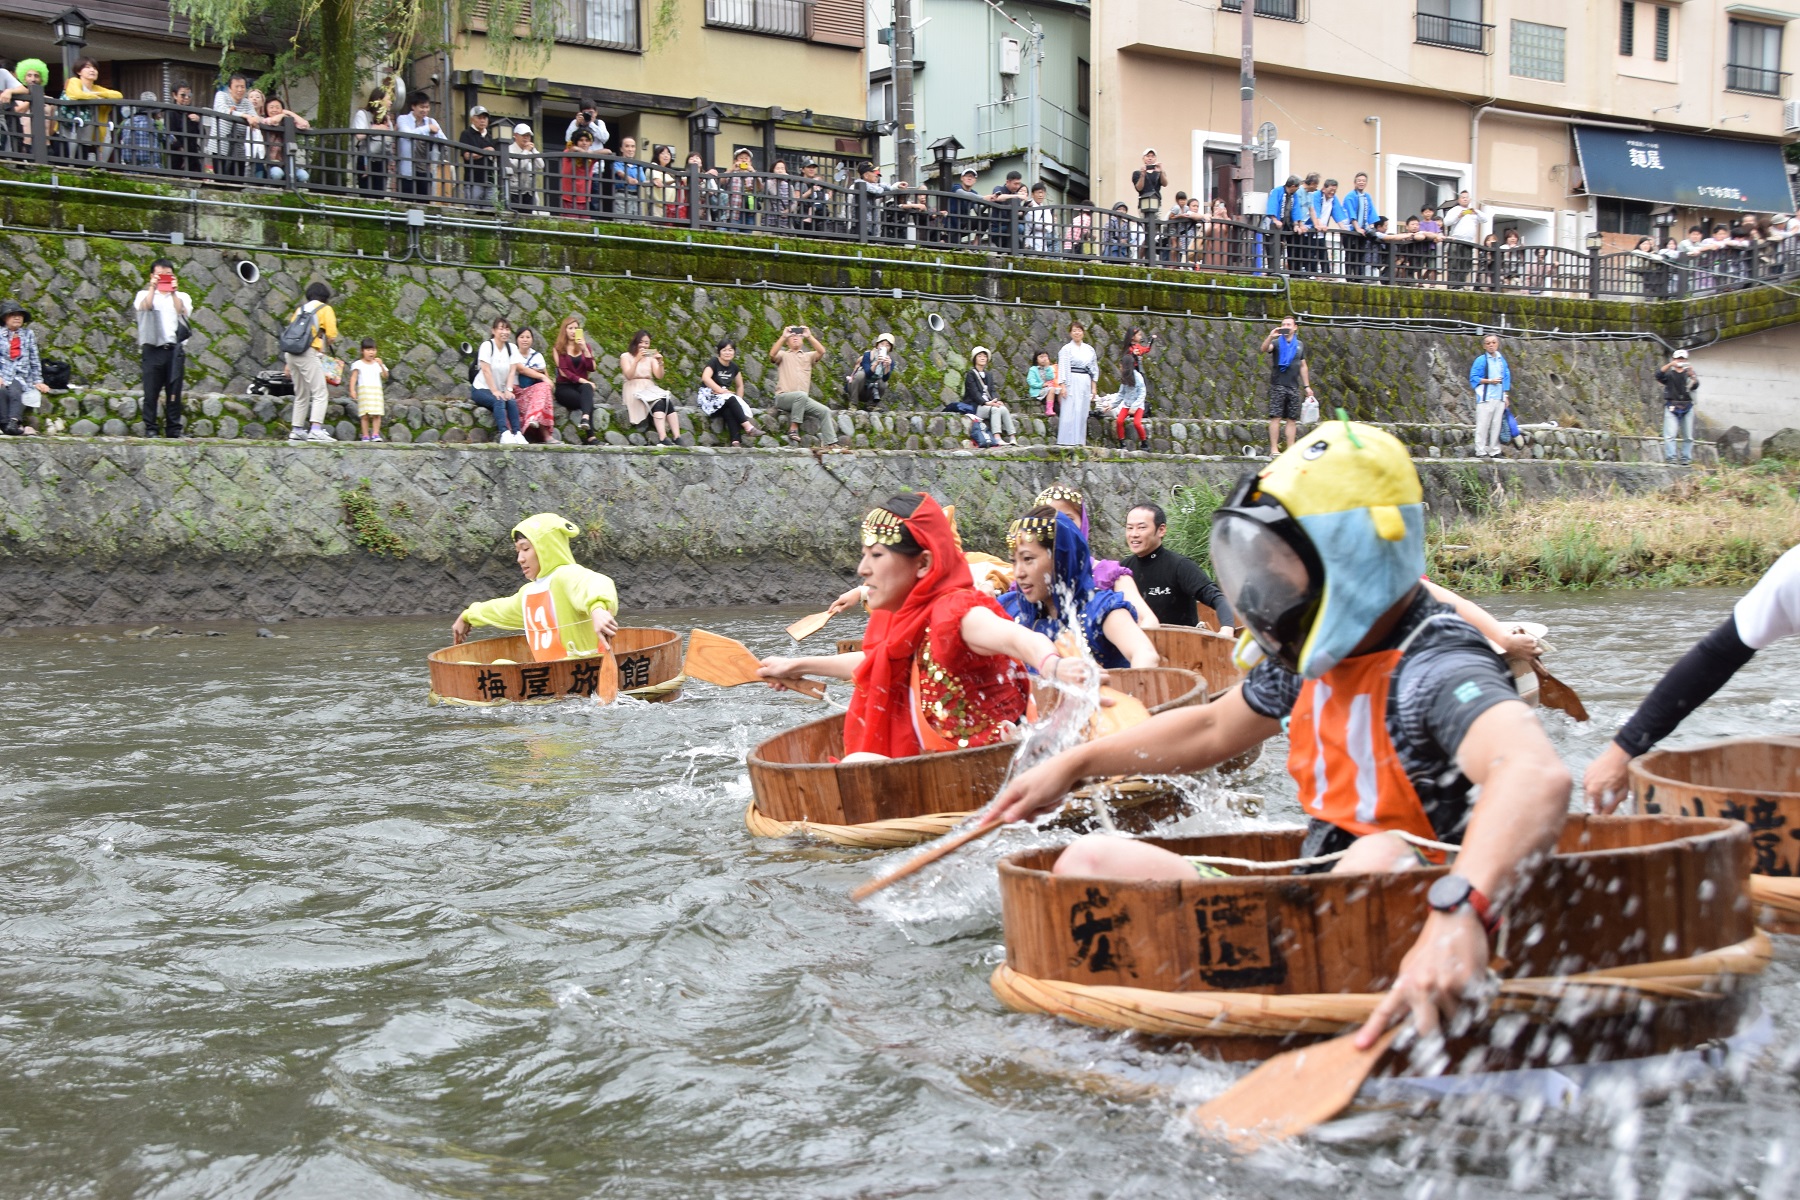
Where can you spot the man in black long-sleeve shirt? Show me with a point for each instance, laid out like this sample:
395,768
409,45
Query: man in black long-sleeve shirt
1172,584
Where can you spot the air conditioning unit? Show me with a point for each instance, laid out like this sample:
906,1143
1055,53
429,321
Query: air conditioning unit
1790,116
1010,56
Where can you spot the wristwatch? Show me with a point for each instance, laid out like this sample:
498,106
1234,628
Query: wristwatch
1453,892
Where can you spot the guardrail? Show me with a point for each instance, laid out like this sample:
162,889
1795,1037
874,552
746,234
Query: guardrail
202,147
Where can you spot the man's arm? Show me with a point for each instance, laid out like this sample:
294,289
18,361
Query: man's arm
1305,375
1178,742
1524,798
817,345
775,350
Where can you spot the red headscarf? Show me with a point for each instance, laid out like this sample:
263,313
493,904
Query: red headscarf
880,720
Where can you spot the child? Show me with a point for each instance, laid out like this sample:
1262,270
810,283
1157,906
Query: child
1131,398
21,372
366,374
1040,381
565,609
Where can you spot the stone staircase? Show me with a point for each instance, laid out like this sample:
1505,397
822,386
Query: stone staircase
96,413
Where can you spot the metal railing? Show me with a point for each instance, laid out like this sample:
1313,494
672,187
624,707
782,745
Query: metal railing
785,18
1453,33
1004,126
200,147
1757,81
1279,10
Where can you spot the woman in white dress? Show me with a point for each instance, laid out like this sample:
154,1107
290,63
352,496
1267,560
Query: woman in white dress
1077,366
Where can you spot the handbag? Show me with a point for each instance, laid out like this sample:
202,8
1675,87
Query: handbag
1509,427
183,331
1309,411
334,371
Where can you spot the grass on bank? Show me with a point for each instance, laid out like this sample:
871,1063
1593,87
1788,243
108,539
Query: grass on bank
1717,529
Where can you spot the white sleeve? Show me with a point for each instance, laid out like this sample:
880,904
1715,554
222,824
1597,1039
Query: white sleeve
1772,609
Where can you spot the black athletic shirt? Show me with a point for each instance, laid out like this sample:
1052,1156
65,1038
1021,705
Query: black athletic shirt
725,376
1171,583
1449,677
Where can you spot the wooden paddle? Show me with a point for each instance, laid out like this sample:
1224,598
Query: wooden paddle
805,627
1557,694
712,658
1291,1092
1124,712
606,686
919,862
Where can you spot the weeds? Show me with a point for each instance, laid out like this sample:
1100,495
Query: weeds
1720,529
1190,522
367,529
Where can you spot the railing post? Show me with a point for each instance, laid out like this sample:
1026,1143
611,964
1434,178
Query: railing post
289,169
694,196
1150,216
1493,261
503,177
40,125
863,210
1593,274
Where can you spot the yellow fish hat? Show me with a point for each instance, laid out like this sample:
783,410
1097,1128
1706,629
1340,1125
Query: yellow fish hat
1315,547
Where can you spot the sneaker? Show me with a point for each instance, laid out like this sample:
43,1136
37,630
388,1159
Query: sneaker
296,435
319,435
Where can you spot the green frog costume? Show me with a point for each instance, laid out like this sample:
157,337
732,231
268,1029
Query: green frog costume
556,610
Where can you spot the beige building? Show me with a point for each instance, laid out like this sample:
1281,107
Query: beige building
1681,107
781,77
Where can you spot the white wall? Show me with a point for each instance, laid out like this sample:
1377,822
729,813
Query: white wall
1751,381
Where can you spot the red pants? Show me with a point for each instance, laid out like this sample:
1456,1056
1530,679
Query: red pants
1137,419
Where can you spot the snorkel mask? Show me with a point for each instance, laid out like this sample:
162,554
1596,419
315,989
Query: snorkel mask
1315,548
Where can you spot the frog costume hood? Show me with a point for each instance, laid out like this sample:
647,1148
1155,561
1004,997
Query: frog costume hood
575,591
1315,547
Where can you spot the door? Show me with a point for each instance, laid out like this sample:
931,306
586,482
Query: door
1221,180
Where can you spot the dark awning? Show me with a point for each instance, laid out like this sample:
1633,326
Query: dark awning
1684,169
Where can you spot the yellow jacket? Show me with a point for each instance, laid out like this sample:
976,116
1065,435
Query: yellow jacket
575,590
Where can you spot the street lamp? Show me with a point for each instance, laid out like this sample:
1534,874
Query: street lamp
70,27
703,126
1596,241
943,153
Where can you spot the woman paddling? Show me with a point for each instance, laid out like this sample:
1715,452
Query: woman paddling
1053,591
942,667
566,610
1108,573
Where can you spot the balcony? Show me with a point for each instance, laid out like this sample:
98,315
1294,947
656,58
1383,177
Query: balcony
1276,10
1004,127
1453,33
1756,81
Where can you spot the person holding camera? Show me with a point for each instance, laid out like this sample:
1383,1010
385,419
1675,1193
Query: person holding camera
642,367
162,313
867,385
416,158
1679,383
793,383
1288,374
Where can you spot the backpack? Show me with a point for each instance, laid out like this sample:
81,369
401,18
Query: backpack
297,338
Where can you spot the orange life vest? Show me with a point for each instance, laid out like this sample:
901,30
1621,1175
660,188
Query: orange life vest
1341,755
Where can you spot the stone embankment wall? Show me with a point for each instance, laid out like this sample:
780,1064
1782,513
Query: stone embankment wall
98,531
1374,351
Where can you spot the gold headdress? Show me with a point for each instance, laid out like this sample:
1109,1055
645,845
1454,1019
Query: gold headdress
1062,492
1041,530
883,528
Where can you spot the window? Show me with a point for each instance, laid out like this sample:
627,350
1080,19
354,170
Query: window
1280,10
1537,51
1419,187
1622,216
784,18
1084,84
1455,24
1627,26
611,23
1663,16
1755,62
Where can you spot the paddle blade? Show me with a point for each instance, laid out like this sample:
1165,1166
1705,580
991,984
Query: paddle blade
919,862
712,658
1124,712
606,686
805,627
1291,1093
1557,694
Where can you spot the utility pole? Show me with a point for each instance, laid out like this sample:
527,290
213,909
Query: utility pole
1034,152
1246,168
906,137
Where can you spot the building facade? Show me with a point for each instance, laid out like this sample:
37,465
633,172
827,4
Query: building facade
1560,118
783,78
972,80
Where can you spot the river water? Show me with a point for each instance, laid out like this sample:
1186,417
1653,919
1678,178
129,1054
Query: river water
273,926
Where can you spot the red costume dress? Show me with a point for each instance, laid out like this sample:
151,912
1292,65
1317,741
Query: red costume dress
920,688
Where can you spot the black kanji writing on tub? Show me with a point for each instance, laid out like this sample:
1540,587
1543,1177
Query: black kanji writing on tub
1095,935
1766,823
491,685
534,682
634,672
584,679
1237,948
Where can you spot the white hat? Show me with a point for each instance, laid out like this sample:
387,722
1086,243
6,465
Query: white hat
521,127
980,350
884,337
1681,354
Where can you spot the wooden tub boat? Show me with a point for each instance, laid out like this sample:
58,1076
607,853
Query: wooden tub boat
1209,652
1754,780
904,801
649,668
1251,963
849,645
